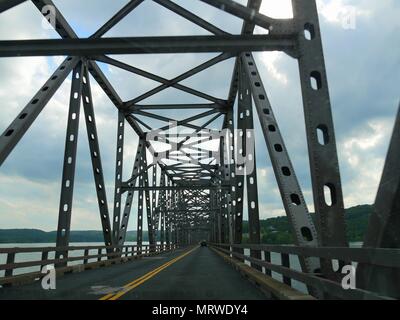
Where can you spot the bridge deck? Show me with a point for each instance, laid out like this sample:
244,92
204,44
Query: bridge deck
184,274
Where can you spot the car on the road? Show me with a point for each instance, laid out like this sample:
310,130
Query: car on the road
203,243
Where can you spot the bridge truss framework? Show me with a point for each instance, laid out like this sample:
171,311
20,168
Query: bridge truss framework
203,192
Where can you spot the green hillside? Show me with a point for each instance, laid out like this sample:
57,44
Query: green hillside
277,230
39,236
273,231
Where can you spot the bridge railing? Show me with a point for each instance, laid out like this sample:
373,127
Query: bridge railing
26,264
289,271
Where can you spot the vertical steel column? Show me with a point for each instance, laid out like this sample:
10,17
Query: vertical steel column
224,173
9,271
139,234
157,211
154,205
240,171
241,148
161,205
213,215
96,158
220,235
295,206
217,218
68,177
245,113
324,165
148,202
118,175
172,215
224,222
129,198
186,230
158,208
175,221
179,216
230,157
168,217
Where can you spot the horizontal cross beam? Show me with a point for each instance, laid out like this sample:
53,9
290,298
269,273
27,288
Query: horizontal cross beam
185,106
143,45
126,187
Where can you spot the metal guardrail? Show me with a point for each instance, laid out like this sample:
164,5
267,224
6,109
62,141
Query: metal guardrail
372,256
103,255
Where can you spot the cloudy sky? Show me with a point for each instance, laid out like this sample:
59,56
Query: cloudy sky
363,65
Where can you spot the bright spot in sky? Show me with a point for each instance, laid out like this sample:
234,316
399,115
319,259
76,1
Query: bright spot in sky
279,9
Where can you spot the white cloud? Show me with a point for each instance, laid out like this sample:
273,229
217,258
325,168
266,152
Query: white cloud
279,9
21,203
271,61
18,86
361,160
340,12
361,154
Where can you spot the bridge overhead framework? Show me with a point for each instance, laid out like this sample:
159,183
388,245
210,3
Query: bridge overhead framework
194,181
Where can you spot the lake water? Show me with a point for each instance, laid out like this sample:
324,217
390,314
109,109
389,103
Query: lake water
24,257
35,256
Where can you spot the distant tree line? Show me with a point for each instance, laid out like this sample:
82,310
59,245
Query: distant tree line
277,230
273,231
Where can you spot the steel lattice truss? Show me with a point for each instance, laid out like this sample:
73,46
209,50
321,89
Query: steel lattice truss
195,190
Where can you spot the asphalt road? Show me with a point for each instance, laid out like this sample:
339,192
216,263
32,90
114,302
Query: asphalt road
186,274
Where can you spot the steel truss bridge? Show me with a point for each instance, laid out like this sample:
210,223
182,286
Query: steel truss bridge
190,191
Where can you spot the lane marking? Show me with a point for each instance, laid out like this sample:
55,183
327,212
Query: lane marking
137,282
130,286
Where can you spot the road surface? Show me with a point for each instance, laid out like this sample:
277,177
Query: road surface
185,274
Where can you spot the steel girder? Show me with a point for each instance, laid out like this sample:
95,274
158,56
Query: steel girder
149,210
302,225
96,157
118,175
195,168
322,154
384,224
145,45
247,28
190,16
154,204
323,158
161,208
139,237
168,213
68,177
121,14
248,154
18,128
120,233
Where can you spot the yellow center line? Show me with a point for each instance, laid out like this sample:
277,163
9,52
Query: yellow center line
137,282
